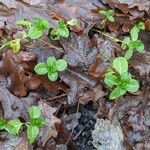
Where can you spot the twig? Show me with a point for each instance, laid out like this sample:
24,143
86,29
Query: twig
110,37
57,97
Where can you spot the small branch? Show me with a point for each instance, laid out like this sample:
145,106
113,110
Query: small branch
106,35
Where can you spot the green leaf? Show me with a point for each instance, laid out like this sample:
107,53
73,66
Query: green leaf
13,126
15,45
133,86
63,32
72,22
32,133
111,12
125,42
111,18
2,123
61,23
120,64
35,33
139,46
128,54
34,112
51,61
39,122
141,26
41,23
117,92
110,80
24,23
41,68
53,76
103,12
134,33
61,65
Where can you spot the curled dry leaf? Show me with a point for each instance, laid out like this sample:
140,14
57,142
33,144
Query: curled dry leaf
12,106
13,69
49,130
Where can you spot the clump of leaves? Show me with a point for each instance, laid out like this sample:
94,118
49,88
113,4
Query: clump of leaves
119,79
133,43
108,14
33,30
35,122
62,30
51,68
14,126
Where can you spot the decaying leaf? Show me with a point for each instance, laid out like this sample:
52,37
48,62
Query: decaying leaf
79,51
107,136
12,106
49,129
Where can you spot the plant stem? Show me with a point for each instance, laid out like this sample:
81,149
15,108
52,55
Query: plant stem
106,35
5,45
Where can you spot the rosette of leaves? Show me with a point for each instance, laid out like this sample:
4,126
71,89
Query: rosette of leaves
108,14
133,43
35,122
62,30
51,68
119,79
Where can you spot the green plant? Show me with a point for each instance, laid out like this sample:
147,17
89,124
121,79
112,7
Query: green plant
34,123
133,43
51,68
62,30
109,16
14,126
33,30
118,78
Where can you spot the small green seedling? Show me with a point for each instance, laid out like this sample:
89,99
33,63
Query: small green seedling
119,79
133,43
108,14
14,126
35,122
51,68
62,30
33,30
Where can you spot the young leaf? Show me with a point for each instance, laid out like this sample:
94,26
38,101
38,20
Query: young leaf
117,92
139,46
24,23
120,64
15,45
13,126
111,18
35,33
110,80
39,122
34,112
125,42
2,123
133,86
111,12
53,76
41,69
128,54
72,22
63,32
141,26
51,61
41,23
32,133
134,33
61,65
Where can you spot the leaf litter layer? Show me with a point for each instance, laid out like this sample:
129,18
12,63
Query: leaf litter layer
72,104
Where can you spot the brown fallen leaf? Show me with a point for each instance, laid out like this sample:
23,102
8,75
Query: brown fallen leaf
49,129
12,106
79,51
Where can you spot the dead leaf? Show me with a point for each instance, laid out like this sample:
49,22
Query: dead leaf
79,51
147,25
9,3
49,129
12,106
35,2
